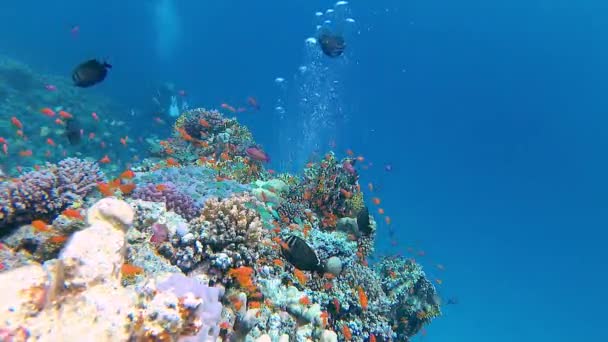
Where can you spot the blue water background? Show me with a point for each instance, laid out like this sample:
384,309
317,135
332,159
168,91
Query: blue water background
493,116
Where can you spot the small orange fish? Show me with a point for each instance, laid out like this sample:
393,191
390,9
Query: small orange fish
5,148
204,123
172,162
376,200
123,141
91,136
350,152
65,114
40,226
128,174
50,142
228,107
57,239
131,270
346,194
127,188
48,112
387,220
25,153
105,159
161,187
380,211
72,213
439,281
95,117
16,122
59,122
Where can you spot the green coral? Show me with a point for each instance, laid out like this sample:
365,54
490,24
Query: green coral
355,203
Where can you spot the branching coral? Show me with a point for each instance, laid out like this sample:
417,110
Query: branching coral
227,234
168,193
46,192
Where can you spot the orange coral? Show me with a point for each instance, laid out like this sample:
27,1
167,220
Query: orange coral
243,277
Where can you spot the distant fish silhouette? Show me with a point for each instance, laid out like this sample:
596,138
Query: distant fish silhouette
72,131
332,45
90,73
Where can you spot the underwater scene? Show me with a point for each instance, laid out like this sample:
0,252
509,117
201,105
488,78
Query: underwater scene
274,171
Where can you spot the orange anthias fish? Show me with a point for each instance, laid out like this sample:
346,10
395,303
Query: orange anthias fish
65,114
48,112
228,107
50,142
40,226
204,123
72,213
16,122
128,174
172,162
376,200
25,153
105,159
123,141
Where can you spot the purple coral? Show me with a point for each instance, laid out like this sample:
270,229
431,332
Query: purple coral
209,311
48,191
173,198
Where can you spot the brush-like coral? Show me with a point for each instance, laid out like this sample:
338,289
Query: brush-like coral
43,193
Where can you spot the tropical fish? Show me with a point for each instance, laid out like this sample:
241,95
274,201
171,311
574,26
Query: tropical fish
300,254
363,222
257,154
72,131
90,73
332,45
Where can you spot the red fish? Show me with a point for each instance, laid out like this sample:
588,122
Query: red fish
228,107
257,154
95,117
253,102
16,122
50,142
105,159
65,114
48,112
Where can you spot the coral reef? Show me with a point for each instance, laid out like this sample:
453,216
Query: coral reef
79,297
201,242
43,193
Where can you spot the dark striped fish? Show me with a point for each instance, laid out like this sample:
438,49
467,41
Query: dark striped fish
301,255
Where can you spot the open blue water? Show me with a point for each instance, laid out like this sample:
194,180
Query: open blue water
493,116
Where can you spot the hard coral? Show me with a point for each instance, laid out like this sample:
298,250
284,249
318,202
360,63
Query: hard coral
228,234
46,192
172,196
